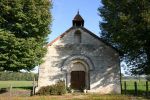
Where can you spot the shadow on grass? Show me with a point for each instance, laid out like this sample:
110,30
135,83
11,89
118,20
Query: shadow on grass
24,88
139,93
3,90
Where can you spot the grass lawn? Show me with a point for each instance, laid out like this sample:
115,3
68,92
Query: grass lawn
16,84
28,85
76,97
141,87
140,84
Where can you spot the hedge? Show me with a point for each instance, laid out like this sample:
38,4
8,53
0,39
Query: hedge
56,89
17,76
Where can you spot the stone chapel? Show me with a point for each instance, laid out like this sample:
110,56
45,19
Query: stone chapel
82,60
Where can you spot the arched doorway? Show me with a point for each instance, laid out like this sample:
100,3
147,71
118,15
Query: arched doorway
78,63
78,76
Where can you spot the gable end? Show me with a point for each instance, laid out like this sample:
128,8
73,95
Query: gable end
87,31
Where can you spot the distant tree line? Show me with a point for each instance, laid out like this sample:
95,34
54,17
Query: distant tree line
17,76
138,77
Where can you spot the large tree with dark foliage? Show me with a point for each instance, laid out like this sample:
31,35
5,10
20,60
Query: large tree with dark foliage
24,27
126,25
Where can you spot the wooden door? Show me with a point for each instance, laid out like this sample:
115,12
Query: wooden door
78,80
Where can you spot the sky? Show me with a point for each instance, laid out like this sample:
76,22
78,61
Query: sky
64,11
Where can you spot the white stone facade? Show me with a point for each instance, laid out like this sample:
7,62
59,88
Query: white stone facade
99,61
82,60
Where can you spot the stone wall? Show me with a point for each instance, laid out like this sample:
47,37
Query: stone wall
104,76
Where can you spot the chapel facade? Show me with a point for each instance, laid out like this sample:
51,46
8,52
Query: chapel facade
82,60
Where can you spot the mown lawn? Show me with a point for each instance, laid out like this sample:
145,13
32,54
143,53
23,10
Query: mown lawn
16,84
28,85
141,85
76,97
130,87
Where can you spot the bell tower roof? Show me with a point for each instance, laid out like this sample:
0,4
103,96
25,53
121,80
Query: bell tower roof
78,20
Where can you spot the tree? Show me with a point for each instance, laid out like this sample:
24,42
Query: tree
148,77
24,27
126,26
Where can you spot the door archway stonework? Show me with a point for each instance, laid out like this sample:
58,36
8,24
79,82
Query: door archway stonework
78,63
81,58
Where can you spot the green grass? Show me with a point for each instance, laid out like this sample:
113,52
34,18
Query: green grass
140,84
113,97
141,87
28,85
77,97
16,84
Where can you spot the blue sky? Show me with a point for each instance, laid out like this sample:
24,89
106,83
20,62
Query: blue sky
63,12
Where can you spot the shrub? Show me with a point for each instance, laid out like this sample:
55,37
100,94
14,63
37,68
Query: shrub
44,90
17,76
56,89
60,86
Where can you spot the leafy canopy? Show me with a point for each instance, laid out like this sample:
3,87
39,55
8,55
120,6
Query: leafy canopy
24,27
126,25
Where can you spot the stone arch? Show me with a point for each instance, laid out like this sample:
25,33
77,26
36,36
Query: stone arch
68,64
81,58
78,65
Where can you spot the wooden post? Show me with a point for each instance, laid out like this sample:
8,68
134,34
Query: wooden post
121,87
135,87
10,91
125,88
33,89
147,88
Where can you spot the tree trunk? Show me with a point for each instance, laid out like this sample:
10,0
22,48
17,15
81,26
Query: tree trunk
147,49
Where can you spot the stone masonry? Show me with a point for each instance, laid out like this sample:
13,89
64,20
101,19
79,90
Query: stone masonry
91,55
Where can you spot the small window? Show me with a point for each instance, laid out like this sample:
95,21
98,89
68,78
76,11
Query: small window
77,37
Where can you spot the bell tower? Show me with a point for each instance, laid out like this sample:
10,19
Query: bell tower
78,20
